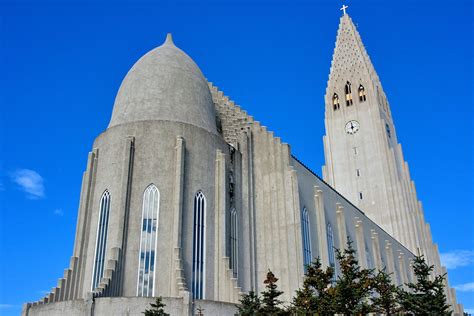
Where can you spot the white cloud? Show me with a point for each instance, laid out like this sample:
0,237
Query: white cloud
457,258
58,212
466,287
6,306
29,181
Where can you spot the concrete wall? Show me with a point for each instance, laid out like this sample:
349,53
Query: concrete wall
129,306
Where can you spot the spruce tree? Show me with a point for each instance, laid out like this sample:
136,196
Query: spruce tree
426,296
249,304
271,305
157,308
385,302
353,286
315,297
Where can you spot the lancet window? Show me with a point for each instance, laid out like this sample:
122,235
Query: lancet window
335,102
148,242
199,246
362,94
368,255
233,242
332,257
101,240
305,228
348,91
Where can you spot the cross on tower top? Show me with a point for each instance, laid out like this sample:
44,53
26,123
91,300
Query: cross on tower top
344,7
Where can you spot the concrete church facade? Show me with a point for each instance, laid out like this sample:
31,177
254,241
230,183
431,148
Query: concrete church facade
187,197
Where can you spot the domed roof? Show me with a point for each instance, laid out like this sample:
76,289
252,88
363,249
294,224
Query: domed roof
165,84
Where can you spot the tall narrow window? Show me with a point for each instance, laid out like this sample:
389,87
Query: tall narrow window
362,95
387,128
335,102
148,240
233,241
332,258
368,255
101,240
199,247
348,91
307,256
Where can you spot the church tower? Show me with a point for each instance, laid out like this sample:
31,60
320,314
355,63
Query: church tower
364,160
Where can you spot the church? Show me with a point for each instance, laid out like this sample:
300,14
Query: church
186,196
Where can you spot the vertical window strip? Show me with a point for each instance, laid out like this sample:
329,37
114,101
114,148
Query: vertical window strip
307,255
233,242
148,240
198,284
330,239
101,239
368,256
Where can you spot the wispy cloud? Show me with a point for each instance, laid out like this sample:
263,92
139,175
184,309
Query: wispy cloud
457,258
58,212
6,306
470,311
466,287
29,181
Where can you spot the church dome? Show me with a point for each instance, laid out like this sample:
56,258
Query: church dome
165,84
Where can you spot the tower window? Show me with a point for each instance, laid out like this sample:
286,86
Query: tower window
335,102
358,172
360,196
199,246
348,91
387,128
233,241
355,150
362,95
305,229
101,242
148,239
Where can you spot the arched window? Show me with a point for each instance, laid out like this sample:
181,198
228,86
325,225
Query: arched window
101,240
332,257
335,102
307,256
148,240
233,242
199,247
362,95
348,91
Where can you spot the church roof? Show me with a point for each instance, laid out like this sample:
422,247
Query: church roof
165,84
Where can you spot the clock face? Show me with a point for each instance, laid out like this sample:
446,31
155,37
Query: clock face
352,127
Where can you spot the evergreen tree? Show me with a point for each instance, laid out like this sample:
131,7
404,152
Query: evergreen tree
157,308
385,302
249,304
426,296
270,302
316,295
353,286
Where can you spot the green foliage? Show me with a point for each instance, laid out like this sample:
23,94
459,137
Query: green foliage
385,302
249,304
270,302
426,296
316,296
353,287
157,308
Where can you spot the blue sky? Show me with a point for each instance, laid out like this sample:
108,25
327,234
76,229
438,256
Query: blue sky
62,63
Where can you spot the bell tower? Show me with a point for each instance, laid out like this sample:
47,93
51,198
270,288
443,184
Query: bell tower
364,160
